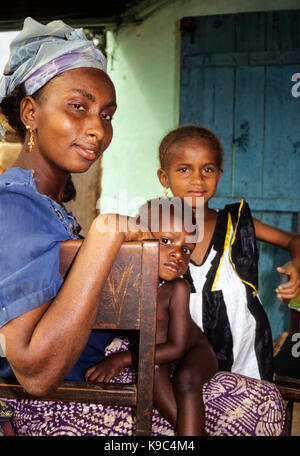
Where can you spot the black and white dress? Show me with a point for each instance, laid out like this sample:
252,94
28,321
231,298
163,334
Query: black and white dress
224,300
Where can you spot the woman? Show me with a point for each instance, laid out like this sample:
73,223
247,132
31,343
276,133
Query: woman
56,93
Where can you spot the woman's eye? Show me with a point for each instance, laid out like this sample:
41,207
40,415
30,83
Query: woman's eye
78,106
107,116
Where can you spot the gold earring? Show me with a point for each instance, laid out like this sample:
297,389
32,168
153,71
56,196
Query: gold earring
165,192
30,143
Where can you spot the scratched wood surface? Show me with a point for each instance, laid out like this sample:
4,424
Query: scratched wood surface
236,74
118,309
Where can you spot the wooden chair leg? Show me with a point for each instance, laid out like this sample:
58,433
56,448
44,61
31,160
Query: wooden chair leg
289,417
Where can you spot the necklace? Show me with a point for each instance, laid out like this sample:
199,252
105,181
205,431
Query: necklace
161,283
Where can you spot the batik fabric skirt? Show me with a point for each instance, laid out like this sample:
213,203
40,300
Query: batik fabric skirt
235,405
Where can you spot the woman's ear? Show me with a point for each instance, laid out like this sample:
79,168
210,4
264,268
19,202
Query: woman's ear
163,177
28,107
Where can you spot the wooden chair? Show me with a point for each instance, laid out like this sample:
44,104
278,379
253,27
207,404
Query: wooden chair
128,302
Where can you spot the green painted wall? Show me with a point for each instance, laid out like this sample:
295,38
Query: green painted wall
144,66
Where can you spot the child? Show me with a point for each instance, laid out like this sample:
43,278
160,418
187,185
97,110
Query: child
223,269
180,345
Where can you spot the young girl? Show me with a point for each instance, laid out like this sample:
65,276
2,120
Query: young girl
223,269
178,339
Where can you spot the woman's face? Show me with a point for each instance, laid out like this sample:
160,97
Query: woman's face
73,119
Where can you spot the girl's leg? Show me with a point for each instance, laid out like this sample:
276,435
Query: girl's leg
195,369
164,399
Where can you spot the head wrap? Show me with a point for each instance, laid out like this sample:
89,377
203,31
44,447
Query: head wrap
40,52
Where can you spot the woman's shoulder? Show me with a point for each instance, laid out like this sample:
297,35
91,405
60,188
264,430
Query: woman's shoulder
14,176
23,206
18,193
17,181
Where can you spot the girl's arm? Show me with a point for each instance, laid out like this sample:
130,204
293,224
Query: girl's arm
290,242
43,344
180,324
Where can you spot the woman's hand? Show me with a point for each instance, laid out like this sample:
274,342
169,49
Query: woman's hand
130,227
288,290
107,369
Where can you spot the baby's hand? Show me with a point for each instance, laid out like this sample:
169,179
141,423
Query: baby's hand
288,290
107,369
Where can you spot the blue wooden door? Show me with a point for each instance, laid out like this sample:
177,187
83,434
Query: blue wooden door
236,79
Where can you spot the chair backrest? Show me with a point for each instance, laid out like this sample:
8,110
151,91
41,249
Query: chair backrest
128,301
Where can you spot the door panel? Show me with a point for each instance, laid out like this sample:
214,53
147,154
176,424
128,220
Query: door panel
236,75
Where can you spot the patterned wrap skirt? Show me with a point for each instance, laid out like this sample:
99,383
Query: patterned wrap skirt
235,405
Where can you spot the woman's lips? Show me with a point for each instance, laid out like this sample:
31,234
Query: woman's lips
87,152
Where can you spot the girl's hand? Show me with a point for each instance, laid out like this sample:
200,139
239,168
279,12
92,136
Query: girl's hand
288,290
107,369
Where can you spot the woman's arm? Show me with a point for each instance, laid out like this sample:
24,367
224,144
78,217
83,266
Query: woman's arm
290,242
42,345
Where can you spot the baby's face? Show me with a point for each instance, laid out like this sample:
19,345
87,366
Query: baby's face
175,253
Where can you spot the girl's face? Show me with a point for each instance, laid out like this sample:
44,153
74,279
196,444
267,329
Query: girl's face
193,171
72,120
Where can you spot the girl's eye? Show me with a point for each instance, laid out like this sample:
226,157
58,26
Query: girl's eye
186,251
183,170
165,241
208,170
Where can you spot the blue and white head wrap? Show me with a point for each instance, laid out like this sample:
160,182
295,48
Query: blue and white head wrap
40,52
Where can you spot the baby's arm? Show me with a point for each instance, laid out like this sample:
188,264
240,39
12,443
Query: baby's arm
178,331
109,367
290,242
179,324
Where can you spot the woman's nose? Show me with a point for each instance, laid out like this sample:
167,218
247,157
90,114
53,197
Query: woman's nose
95,129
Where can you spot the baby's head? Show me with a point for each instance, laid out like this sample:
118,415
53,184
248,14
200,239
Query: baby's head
191,159
172,222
